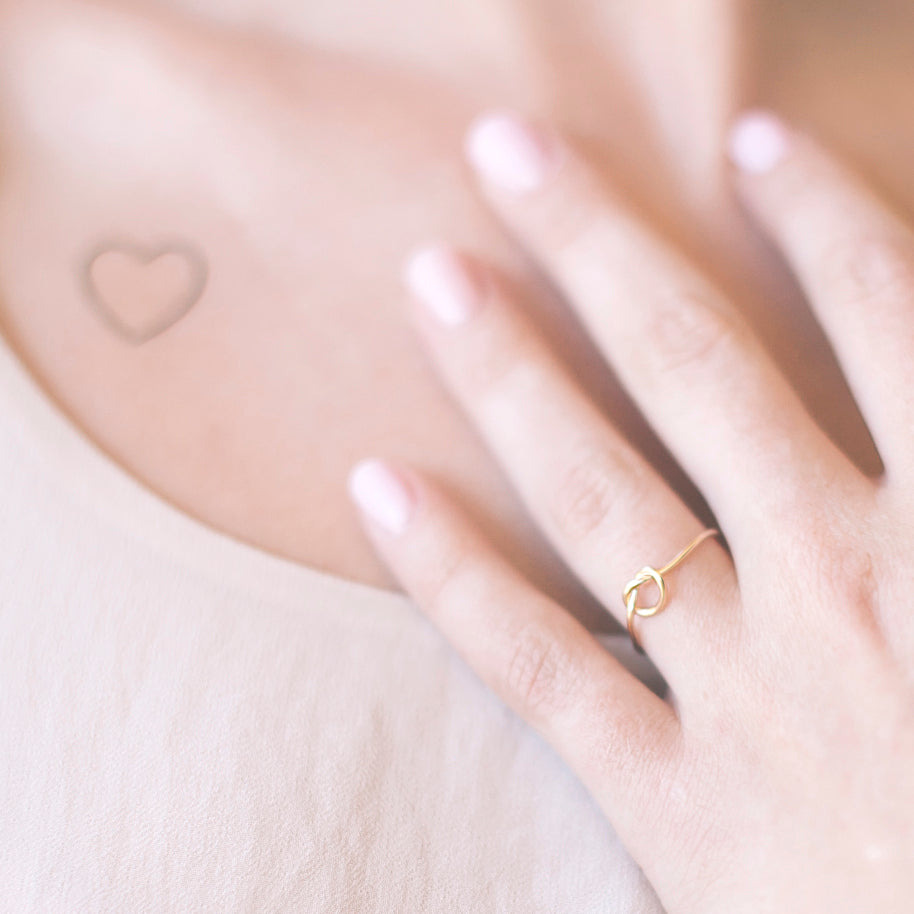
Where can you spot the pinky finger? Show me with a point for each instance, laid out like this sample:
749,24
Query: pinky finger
618,736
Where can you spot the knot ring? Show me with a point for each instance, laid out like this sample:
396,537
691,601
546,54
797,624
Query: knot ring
649,575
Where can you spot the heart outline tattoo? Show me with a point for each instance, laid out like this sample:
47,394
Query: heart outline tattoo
145,255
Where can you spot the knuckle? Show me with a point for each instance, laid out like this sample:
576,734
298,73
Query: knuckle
849,576
865,269
637,749
539,676
589,491
503,363
834,557
687,332
450,571
620,742
574,220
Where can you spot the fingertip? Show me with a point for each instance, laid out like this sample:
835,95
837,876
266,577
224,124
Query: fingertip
758,142
510,152
445,281
382,494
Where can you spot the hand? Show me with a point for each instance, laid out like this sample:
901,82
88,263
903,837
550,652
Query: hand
780,775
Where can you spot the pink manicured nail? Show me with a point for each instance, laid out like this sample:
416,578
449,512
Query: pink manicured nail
511,154
382,495
758,142
445,284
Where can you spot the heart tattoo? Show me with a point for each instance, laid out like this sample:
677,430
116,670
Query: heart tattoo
140,292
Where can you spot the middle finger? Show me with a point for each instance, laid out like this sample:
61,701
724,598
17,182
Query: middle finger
700,375
604,508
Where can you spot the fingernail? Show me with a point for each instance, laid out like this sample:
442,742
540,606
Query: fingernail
382,495
510,153
445,284
758,142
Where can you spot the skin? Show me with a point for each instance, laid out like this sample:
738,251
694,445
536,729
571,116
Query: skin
275,168
780,775
304,218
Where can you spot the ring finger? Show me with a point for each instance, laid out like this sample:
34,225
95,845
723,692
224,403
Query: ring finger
602,506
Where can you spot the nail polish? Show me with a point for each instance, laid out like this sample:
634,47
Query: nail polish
758,142
445,283
382,495
510,153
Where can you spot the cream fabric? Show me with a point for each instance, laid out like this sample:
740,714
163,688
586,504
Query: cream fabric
190,724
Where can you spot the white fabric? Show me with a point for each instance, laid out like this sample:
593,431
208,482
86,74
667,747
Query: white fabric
190,724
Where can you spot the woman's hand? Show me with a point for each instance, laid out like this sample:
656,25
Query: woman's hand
780,777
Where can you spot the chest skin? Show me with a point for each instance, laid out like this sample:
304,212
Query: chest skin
303,162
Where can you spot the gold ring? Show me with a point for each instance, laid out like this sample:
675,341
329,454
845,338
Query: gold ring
649,575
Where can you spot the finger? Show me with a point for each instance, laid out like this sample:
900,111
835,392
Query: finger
616,734
596,499
688,359
853,257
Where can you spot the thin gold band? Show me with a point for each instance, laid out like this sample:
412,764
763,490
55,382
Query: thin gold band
654,575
